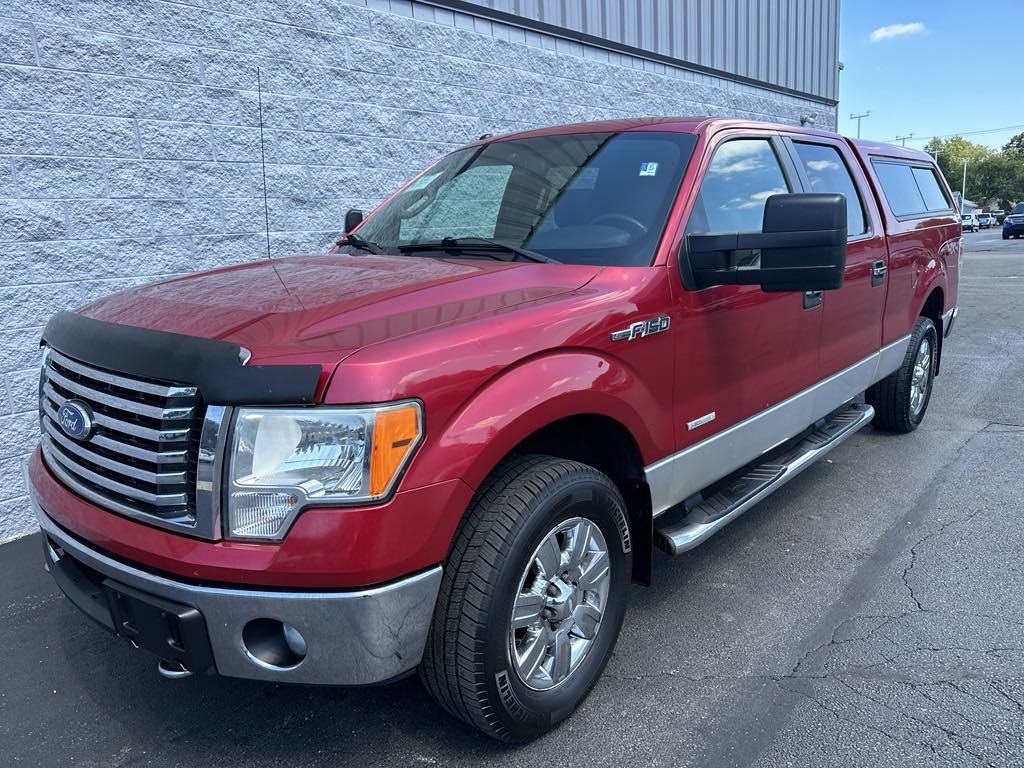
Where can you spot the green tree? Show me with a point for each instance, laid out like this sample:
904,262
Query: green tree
951,154
1015,146
996,177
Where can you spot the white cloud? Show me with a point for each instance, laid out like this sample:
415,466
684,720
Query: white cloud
897,30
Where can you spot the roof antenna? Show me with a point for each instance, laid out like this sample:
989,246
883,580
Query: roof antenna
263,161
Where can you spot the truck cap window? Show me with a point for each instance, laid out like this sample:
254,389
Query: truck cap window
934,198
828,172
910,190
587,198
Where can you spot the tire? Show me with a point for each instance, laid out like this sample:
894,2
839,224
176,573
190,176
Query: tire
468,663
1005,236
901,399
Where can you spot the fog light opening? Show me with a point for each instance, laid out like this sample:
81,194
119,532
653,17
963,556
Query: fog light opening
273,644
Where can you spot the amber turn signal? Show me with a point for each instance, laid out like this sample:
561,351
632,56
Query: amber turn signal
396,432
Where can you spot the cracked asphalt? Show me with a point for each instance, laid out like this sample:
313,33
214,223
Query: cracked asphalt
870,613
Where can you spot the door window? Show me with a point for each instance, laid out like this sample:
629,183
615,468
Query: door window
742,175
828,172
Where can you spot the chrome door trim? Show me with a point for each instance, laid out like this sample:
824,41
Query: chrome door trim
682,474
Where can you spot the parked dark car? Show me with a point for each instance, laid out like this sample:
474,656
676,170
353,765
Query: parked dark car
1013,224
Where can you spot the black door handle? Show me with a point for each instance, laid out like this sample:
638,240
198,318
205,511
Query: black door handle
878,270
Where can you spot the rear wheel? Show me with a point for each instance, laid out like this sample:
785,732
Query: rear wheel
901,399
532,598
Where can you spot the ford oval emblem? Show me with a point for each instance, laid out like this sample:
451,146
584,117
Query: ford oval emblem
75,418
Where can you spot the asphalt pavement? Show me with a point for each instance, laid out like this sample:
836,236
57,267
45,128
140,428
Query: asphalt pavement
870,613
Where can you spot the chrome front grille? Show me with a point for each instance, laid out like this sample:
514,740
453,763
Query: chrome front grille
141,458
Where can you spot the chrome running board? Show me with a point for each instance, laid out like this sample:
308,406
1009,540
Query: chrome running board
684,528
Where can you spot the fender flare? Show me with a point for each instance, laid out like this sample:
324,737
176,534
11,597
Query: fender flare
533,394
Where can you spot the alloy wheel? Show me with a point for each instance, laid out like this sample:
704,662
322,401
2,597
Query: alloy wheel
922,377
562,598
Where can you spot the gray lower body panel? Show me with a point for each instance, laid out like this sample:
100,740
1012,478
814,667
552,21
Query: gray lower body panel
353,638
781,466
679,476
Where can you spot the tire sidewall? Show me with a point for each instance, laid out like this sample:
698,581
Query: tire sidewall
524,711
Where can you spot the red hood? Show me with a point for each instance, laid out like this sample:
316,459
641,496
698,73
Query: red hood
323,308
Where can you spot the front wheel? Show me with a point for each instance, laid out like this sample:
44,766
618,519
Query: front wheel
532,598
901,399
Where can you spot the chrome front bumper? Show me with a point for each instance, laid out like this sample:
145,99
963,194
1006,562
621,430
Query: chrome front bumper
352,638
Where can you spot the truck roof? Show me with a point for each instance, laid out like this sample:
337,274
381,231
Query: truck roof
700,124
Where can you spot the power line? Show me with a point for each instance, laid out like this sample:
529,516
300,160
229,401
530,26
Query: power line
963,133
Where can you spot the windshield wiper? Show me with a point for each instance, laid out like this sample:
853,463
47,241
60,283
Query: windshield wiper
483,244
355,241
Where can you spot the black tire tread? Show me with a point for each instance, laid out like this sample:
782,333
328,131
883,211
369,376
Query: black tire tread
452,666
890,396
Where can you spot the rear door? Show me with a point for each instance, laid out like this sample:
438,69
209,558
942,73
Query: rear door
852,316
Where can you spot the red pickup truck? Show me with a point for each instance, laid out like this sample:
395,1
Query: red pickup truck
452,443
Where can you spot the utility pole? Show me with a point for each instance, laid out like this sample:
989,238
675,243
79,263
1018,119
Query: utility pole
903,139
963,189
858,118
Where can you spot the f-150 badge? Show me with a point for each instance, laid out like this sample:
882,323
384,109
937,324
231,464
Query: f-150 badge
642,328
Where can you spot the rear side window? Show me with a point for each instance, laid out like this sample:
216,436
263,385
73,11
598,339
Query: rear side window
934,198
828,172
910,190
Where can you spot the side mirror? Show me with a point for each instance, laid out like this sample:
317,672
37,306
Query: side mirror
353,218
802,245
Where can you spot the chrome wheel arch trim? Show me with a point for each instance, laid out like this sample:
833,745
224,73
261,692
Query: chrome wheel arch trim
682,474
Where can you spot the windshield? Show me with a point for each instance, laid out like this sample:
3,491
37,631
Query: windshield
586,198
1018,208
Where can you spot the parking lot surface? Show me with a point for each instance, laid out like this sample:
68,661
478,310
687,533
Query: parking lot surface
869,613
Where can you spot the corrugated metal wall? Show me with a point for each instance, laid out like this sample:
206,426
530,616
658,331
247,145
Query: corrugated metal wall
789,43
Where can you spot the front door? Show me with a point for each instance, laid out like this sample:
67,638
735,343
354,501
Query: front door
739,351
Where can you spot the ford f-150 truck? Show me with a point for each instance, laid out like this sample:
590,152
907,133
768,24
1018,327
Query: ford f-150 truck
452,442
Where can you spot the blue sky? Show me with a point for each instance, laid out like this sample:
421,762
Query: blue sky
931,67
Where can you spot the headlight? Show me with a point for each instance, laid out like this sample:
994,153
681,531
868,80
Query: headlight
286,459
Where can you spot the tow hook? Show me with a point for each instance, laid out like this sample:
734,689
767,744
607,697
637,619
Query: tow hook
172,670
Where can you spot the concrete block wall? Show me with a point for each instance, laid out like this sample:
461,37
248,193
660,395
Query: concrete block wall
130,139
